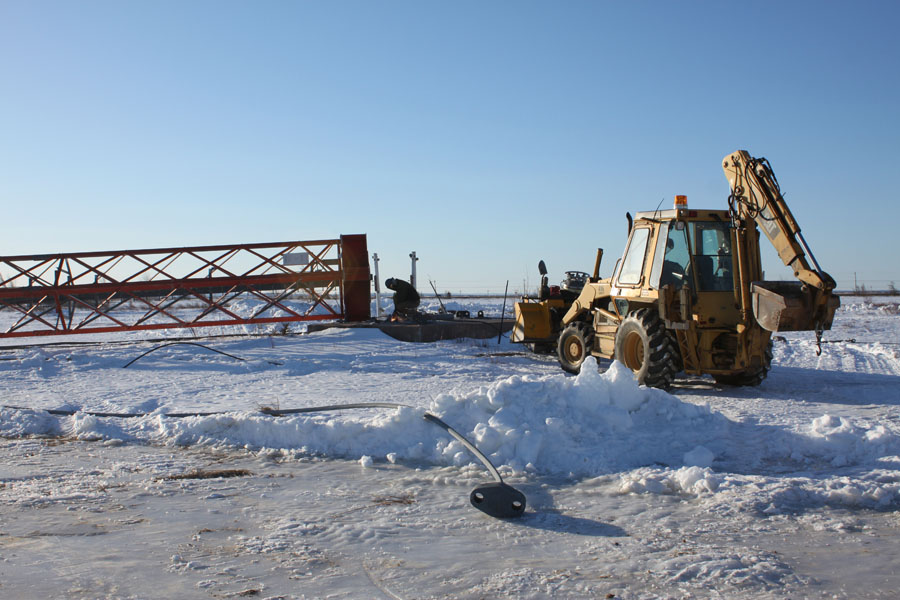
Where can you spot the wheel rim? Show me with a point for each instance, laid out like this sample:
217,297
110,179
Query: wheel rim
634,351
574,350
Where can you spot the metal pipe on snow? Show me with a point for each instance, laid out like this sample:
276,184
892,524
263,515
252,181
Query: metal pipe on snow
379,312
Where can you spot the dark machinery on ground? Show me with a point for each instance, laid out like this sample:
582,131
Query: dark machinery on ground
687,294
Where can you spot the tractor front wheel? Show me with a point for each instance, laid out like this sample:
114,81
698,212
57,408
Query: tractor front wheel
644,346
574,345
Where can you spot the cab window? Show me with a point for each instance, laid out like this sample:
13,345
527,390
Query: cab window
633,263
676,266
712,256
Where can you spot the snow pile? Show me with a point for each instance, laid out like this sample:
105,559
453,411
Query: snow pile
877,305
841,442
878,489
21,423
351,435
580,426
585,426
686,480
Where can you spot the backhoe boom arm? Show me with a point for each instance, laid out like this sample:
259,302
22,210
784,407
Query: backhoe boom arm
755,195
756,199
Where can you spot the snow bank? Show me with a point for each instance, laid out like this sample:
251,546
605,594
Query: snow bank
581,426
585,426
877,305
21,423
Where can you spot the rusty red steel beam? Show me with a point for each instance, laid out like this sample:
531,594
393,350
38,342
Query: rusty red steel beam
254,246
149,326
316,259
333,265
198,284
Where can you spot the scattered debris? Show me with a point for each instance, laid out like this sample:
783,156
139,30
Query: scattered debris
210,474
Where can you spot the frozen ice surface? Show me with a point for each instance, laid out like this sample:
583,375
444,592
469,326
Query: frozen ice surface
788,489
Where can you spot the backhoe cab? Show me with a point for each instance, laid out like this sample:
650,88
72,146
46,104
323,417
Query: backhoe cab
687,293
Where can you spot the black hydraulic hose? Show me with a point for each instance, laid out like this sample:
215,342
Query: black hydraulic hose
133,342
134,360
66,412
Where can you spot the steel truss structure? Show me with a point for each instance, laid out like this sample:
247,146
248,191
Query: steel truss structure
203,286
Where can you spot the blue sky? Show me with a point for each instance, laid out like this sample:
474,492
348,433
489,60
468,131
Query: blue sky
483,135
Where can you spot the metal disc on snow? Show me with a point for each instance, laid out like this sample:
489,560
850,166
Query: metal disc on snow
498,500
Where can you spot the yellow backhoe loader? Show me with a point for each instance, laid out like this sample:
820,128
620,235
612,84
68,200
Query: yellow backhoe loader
687,293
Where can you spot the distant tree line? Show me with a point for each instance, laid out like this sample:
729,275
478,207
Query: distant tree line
861,290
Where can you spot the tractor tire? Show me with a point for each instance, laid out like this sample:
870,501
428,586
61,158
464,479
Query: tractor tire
673,342
750,378
574,345
644,346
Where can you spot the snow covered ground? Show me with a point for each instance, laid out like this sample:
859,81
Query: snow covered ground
790,489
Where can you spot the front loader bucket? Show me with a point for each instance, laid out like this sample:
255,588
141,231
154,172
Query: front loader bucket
792,306
532,322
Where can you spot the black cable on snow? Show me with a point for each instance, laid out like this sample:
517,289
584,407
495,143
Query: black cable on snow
45,344
67,412
134,360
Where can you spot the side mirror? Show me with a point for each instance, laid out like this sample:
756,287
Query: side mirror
542,268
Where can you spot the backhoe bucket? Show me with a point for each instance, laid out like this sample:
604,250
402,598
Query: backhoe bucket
792,306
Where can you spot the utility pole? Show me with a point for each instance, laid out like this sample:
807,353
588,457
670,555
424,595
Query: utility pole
412,276
378,311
